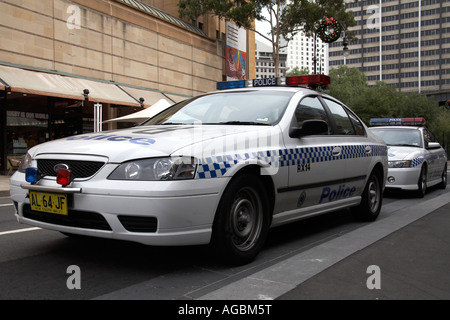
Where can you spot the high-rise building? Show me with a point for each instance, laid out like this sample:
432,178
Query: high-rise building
265,67
301,51
405,43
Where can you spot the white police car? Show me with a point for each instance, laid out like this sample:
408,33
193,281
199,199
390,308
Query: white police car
220,168
416,159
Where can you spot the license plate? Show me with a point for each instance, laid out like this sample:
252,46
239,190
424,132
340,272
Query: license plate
49,202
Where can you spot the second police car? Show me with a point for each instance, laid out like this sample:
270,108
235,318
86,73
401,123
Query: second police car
220,168
416,160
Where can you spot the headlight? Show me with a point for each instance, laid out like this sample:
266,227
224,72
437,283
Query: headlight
400,164
174,168
25,163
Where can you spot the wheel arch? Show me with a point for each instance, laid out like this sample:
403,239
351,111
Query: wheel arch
266,180
381,172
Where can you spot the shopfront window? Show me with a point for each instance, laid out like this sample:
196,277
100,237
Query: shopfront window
33,119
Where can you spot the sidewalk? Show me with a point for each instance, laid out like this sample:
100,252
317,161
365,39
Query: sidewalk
4,185
412,263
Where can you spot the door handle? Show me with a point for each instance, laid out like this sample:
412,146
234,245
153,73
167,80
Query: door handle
337,151
368,149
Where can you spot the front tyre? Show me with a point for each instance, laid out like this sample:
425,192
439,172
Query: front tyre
422,183
443,183
242,220
371,201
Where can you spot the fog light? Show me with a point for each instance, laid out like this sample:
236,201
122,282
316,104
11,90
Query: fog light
391,179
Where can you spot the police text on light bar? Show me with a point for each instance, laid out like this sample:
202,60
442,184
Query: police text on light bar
313,81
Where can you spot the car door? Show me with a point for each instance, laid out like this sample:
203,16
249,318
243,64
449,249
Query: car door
357,150
435,157
315,168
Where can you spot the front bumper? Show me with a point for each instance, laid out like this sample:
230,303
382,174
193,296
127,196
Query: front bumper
182,211
404,178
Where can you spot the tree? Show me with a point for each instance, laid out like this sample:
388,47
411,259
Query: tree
347,85
297,72
285,18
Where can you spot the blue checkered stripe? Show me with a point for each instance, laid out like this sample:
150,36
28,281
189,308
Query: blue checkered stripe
292,157
417,161
217,166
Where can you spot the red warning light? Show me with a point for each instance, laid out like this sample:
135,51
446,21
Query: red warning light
314,80
63,177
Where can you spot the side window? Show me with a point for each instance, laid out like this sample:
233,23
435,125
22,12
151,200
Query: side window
343,123
357,124
428,137
308,109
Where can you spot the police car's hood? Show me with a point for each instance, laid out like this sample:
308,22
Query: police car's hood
396,153
144,142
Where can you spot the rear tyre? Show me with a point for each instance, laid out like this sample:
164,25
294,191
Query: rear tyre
372,198
443,183
242,221
422,183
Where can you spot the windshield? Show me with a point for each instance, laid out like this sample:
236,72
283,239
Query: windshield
399,137
235,108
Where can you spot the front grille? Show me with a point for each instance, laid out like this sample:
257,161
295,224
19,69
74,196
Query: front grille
75,218
139,224
79,169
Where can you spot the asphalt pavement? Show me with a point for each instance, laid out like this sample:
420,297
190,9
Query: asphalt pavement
403,256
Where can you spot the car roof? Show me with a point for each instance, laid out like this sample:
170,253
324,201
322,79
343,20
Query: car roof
305,91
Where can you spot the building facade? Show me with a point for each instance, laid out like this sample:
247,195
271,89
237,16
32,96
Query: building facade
265,67
405,43
307,53
62,61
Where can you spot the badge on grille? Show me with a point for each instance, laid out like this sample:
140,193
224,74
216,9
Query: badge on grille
59,166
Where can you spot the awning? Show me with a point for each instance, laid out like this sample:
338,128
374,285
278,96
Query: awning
145,114
175,97
20,80
150,97
55,85
107,93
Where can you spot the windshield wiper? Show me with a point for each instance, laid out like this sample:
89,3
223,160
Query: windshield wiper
175,123
245,123
403,145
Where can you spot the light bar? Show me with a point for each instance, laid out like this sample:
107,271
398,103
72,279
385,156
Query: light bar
397,121
315,80
312,81
230,84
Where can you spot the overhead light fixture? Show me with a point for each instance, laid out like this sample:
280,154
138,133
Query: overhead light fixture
345,50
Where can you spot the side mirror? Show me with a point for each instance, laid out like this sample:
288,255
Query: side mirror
309,127
433,145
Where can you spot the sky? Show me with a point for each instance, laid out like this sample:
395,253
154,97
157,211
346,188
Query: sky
263,27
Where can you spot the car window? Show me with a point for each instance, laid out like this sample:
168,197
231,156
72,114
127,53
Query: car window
428,137
310,108
243,107
359,128
343,123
